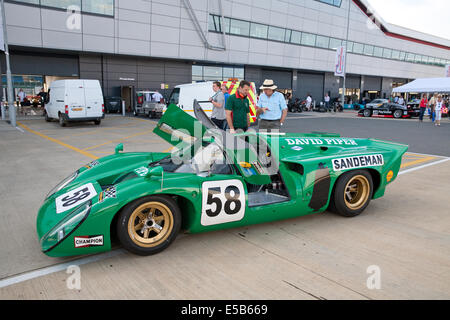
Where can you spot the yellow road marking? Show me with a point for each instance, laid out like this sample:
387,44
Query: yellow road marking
407,164
87,154
118,140
167,150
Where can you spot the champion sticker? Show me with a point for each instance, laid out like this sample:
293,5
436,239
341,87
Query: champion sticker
372,160
88,241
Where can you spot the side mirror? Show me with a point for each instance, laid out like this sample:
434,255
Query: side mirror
118,148
155,171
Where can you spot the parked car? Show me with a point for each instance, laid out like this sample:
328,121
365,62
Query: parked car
75,100
376,103
385,110
214,181
113,104
146,106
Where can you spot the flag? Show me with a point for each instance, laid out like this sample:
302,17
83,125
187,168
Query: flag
447,71
339,70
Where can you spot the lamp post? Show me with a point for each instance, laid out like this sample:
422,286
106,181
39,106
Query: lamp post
12,109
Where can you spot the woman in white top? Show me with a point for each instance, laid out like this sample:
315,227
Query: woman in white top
438,110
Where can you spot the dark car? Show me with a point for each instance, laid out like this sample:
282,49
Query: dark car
113,104
385,110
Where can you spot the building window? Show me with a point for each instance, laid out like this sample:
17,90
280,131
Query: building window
101,7
216,73
240,27
296,37
387,53
308,39
395,54
358,48
63,4
258,30
287,36
336,3
276,33
335,43
105,7
378,52
322,42
368,50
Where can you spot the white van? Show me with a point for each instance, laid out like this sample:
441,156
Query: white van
75,100
183,96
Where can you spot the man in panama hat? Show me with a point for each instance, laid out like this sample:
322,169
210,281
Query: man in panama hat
271,107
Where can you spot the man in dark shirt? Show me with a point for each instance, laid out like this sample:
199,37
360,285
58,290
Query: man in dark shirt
238,108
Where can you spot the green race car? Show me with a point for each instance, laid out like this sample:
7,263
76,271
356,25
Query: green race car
214,180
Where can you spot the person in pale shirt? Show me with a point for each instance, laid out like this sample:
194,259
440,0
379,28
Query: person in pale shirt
218,115
401,101
271,107
21,95
327,101
308,102
157,97
438,110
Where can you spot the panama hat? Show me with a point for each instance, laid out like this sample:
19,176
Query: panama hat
268,84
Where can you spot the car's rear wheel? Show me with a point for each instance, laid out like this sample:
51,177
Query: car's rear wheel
352,194
46,117
398,114
367,113
97,122
149,225
62,121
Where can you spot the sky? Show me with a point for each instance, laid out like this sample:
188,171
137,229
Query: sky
429,16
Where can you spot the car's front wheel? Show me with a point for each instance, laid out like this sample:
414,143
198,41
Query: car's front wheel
352,193
149,225
367,113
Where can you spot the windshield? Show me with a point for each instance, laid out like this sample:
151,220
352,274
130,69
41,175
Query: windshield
174,96
193,160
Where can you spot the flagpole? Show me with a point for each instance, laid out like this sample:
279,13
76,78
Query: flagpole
346,56
12,109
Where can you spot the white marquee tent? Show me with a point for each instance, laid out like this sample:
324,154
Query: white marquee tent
426,85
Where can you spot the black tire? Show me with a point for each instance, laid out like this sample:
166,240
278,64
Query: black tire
398,114
144,243
342,202
62,121
97,122
46,117
367,113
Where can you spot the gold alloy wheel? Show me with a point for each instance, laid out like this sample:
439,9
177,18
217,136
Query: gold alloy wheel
357,192
150,224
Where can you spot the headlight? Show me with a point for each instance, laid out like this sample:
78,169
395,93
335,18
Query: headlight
65,228
62,184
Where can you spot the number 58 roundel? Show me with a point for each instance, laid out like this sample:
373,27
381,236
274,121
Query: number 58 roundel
222,201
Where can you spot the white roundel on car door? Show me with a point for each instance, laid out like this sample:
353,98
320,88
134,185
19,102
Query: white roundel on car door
222,201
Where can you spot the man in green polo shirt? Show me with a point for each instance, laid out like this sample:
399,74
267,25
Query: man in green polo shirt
238,109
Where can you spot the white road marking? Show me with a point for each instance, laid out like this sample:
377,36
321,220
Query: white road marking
20,129
424,166
57,268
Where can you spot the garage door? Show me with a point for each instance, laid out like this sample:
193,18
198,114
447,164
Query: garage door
310,83
372,83
283,79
